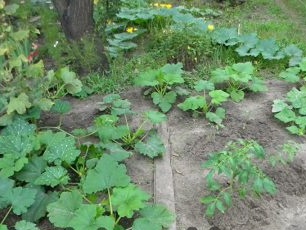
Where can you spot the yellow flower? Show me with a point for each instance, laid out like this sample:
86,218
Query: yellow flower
210,27
168,6
131,30
156,4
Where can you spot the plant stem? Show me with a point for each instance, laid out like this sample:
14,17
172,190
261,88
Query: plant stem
57,128
6,215
110,202
117,221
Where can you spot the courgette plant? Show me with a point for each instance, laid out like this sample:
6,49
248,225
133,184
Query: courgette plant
296,74
78,184
207,104
142,139
161,83
292,111
237,79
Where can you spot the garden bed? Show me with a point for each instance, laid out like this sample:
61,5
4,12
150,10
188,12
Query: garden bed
192,139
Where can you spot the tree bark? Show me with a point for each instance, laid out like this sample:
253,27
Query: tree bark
76,18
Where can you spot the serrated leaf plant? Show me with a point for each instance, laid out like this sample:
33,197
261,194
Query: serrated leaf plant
110,128
207,104
292,111
236,170
237,79
48,163
161,83
296,74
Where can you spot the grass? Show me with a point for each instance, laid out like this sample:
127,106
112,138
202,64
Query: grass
264,17
267,19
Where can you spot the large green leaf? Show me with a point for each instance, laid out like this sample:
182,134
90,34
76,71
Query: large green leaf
20,199
153,217
204,86
108,173
172,73
279,105
9,165
226,36
218,96
59,147
32,170
85,218
291,75
3,227
61,107
151,147
63,210
72,84
164,101
155,117
216,117
129,199
39,208
25,225
148,78
249,42
297,98
237,95
244,68
5,186
19,104
53,176
220,75
193,103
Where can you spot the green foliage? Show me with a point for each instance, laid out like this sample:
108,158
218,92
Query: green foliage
296,74
21,72
114,105
24,225
45,160
251,45
208,104
153,217
141,140
18,198
107,174
152,146
162,82
129,199
236,170
190,50
238,78
292,111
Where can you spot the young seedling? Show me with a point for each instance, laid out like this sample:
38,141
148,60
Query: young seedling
208,103
161,83
292,111
236,169
237,79
296,74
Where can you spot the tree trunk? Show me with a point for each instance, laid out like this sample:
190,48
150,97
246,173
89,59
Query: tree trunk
76,18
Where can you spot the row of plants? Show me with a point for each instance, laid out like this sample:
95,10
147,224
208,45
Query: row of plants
79,184
49,171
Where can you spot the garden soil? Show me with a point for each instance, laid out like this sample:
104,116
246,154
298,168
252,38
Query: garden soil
191,140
